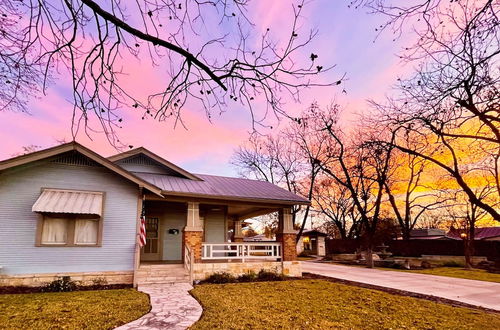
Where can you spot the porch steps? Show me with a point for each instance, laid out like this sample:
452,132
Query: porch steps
162,274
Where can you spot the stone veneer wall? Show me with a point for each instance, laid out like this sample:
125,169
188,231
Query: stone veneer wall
86,278
289,268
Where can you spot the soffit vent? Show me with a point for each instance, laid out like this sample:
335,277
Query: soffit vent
75,158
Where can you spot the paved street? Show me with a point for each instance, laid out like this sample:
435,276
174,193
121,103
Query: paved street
479,293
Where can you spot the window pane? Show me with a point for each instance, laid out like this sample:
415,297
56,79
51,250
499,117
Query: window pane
54,231
86,231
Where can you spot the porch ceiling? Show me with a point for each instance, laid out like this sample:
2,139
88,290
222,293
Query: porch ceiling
245,211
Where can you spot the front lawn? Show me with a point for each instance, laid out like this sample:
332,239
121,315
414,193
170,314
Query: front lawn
103,309
319,304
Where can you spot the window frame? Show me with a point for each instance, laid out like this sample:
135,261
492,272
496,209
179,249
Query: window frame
71,218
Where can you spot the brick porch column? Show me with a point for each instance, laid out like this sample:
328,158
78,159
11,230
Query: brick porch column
193,232
286,235
238,233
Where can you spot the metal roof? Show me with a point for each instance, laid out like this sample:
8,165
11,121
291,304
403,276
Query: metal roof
69,201
220,186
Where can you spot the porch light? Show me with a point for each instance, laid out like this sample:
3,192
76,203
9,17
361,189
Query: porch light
463,235
306,239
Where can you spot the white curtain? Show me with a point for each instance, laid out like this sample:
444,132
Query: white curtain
86,231
54,231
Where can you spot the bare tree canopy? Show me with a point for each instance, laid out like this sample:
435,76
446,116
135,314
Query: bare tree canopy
210,52
452,101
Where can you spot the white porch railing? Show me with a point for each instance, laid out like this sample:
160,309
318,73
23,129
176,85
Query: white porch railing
224,251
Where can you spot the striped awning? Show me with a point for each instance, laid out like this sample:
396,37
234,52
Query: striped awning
69,201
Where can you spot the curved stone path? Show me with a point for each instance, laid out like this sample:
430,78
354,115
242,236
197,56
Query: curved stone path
172,307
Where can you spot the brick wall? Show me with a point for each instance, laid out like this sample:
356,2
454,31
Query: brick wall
289,246
194,240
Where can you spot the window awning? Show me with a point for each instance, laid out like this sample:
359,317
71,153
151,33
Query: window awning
69,201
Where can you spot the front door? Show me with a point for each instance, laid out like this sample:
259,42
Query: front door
151,251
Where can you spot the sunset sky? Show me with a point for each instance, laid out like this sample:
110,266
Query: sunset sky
346,39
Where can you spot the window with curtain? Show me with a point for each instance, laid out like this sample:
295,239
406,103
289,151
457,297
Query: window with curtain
86,231
55,231
69,230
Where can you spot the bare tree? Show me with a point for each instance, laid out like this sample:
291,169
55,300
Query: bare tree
464,215
410,196
361,167
289,159
452,100
335,203
93,42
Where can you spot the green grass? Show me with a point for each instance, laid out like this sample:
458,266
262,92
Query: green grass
470,274
318,304
103,309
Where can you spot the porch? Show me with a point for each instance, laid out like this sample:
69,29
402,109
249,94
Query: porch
206,237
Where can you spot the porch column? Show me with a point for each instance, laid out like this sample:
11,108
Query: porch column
286,235
193,232
238,233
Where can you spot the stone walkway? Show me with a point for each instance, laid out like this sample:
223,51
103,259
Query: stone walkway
478,293
172,308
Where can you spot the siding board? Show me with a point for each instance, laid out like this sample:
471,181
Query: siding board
20,188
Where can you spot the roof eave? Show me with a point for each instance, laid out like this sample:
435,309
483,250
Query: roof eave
236,198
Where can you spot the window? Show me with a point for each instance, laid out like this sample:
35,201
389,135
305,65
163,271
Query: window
69,230
55,231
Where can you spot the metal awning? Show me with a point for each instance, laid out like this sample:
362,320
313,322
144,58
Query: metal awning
69,201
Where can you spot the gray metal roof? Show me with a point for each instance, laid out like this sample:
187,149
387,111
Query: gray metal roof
220,186
69,201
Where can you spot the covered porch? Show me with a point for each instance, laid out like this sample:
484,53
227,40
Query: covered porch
205,236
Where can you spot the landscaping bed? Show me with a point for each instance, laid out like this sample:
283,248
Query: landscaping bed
103,309
324,304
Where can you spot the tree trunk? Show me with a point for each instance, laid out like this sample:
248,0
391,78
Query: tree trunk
469,246
406,234
369,256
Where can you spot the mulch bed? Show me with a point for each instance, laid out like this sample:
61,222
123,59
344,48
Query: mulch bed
398,292
38,289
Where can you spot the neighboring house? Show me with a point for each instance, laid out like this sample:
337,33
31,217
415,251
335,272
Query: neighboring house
483,234
312,242
428,233
69,211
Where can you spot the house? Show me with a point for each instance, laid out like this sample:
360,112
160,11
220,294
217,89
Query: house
67,210
428,233
312,242
482,234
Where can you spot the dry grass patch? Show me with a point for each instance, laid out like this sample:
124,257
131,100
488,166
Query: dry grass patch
104,309
322,304
470,274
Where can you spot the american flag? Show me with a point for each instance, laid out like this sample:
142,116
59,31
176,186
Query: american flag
142,234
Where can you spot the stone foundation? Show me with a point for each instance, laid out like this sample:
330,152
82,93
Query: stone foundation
82,278
288,268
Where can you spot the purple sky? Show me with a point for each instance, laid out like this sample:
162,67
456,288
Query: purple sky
346,38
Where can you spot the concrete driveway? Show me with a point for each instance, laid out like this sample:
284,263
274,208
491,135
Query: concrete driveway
478,293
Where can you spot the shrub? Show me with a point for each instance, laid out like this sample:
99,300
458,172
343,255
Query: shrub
220,278
63,284
269,275
250,276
